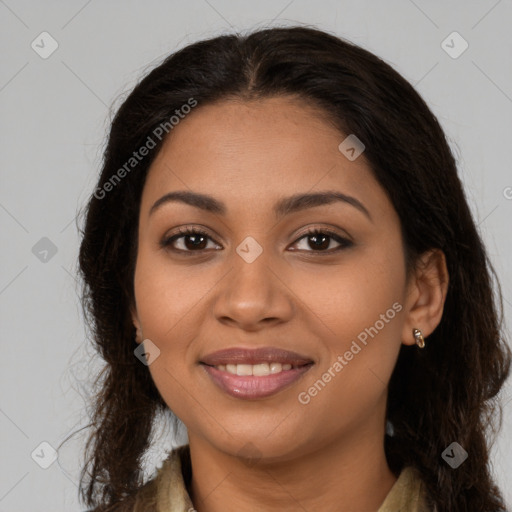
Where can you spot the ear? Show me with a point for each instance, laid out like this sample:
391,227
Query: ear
136,323
426,295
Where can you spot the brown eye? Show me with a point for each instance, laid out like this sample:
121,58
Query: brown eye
191,240
320,240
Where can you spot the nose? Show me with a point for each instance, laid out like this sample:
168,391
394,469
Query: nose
253,295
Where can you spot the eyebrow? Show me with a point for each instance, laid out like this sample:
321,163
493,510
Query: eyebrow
284,206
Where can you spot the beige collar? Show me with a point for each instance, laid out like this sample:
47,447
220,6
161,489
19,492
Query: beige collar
167,491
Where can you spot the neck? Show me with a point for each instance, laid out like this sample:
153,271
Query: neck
358,466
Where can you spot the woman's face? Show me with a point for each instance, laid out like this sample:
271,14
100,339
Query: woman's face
256,279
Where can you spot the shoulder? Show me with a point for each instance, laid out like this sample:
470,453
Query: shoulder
408,493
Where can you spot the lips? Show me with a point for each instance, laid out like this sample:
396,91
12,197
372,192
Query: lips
255,373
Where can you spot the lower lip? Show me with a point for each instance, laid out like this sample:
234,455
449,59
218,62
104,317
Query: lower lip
249,386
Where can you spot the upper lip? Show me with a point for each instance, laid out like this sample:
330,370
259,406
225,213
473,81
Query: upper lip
254,356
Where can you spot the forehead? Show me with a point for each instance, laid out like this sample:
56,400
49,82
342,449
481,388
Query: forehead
255,151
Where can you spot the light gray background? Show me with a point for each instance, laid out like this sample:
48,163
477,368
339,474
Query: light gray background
55,113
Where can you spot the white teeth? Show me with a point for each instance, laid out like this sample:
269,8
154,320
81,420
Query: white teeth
259,370
244,369
275,367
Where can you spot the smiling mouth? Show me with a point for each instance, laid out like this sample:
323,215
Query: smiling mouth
253,373
255,381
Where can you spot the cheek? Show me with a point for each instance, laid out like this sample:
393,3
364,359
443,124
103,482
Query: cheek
168,300
358,312
361,348
167,295
364,290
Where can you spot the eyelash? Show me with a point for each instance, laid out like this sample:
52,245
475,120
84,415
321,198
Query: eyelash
166,243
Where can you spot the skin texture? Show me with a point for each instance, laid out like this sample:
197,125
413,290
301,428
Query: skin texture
249,155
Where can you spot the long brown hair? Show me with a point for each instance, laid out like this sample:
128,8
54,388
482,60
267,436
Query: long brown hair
444,393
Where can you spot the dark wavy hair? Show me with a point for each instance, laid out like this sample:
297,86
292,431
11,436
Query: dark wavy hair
444,393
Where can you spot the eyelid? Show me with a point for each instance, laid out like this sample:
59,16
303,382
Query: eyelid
333,231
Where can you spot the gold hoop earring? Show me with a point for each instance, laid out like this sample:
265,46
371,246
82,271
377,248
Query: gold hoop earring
420,341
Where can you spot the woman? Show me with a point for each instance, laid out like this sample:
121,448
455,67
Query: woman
279,253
